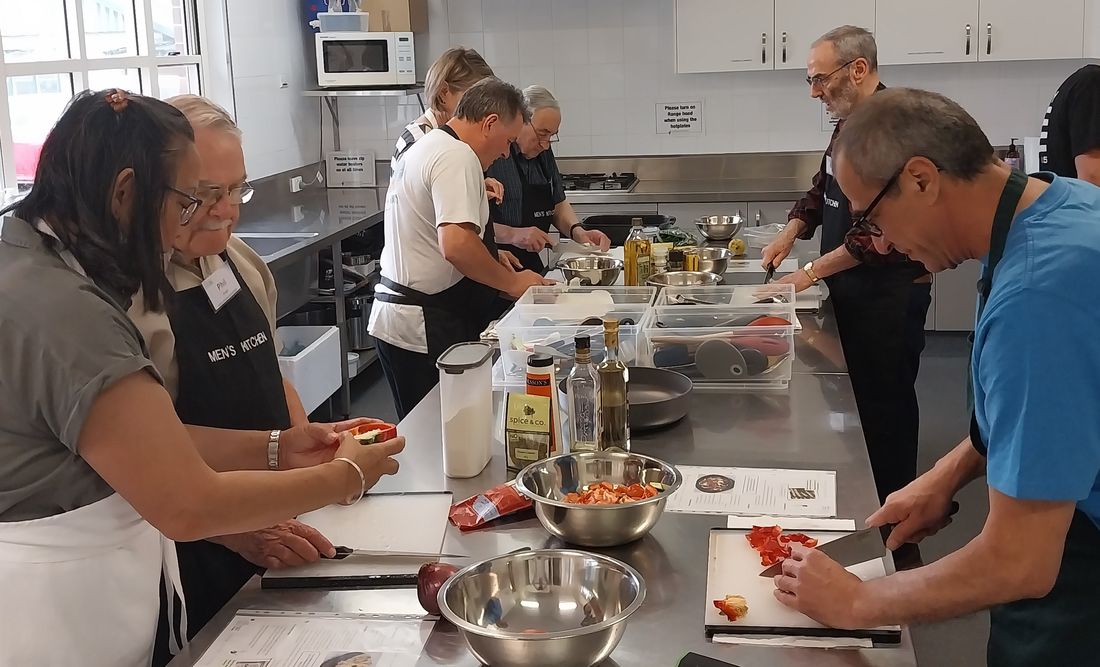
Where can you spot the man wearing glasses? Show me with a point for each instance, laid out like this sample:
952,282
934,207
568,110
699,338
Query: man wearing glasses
880,300
215,347
534,196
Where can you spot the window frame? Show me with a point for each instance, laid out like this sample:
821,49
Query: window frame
147,63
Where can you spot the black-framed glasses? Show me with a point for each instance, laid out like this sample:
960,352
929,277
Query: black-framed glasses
213,194
820,80
865,225
193,204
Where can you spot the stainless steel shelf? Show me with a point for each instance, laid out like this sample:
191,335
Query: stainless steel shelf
363,92
366,358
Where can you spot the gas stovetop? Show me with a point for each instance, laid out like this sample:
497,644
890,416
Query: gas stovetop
624,182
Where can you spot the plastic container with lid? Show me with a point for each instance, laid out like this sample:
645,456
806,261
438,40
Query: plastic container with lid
466,408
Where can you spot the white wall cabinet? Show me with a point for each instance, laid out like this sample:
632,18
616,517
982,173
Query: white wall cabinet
934,31
1046,30
799,22
724,35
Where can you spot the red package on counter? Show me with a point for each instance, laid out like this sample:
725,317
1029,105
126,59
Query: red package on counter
476,511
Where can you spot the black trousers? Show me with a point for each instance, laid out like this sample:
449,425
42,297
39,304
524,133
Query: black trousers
881,325
411,375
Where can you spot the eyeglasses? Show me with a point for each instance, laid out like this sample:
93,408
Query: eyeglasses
821,79
545,137
241,194
865,225
193,204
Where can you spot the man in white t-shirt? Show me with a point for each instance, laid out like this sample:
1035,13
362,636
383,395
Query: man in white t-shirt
438,275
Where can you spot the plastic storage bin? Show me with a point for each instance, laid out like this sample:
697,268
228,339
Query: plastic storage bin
550,329
722,346
314,366
580,296
466,408
749,272
740,296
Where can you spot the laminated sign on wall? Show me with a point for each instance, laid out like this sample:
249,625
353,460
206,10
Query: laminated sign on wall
350,169
680,117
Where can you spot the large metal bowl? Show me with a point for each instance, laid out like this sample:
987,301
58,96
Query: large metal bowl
592,270
684,279
546,608
546,482
713,260
720,227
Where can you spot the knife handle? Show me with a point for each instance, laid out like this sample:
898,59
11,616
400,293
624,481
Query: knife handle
888,528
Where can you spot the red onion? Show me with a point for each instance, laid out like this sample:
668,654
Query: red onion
428,582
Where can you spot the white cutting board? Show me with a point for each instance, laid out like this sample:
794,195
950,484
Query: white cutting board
412,522
734,569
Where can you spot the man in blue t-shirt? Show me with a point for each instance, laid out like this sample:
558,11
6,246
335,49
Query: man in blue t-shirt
926,182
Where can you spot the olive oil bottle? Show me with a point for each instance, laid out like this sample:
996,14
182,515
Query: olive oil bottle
637,253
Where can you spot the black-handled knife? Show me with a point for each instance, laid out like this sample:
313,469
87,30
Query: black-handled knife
770,274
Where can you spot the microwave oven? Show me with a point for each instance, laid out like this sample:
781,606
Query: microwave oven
360,59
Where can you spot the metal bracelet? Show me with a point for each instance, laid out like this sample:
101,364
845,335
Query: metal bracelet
273,449
362,478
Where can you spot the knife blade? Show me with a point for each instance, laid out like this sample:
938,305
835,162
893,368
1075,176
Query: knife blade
770,274
852,549
856,545
344,552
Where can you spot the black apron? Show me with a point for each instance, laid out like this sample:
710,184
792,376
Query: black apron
1061,628
229,378
455,315
880,315
538,211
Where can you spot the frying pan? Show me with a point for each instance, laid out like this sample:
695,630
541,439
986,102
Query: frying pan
658,397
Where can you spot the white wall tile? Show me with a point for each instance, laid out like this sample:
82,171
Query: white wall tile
605,45
606,146
464,16
643,144
471,40
570,14
509,74
498,15
646,12
576,118
641,116
573,147
501,49
608,118
606,13
538,47
641,44
607,82
534,14
640,78
538,76
571,46
572,83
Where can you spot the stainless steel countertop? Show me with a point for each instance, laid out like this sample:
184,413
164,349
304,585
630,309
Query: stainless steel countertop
812,425
700,191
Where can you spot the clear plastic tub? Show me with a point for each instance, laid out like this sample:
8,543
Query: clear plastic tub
749,272
722,346
576,295
547,329
739,296
758,237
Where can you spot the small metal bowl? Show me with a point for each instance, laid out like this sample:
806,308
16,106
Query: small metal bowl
592,270
685,279
546,483
713,260
542,608
720,227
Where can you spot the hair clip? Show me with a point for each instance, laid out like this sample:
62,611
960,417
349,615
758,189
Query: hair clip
118,99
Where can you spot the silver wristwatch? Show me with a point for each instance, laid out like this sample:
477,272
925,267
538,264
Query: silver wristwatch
273,449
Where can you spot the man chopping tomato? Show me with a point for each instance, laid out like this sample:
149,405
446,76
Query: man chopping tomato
923,179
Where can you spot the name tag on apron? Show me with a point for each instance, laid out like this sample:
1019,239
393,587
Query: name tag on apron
221,286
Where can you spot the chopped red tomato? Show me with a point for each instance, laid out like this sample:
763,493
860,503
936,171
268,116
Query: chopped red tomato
733,607
606,493
773,545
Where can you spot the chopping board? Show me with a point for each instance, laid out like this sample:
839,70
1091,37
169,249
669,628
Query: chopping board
734,569
407,522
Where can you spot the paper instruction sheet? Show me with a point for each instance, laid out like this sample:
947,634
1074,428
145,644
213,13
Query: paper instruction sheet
259,639
755,491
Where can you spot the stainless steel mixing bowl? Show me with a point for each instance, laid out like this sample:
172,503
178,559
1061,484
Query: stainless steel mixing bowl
546,483
592,270
720,227
713,260
545,608
684,279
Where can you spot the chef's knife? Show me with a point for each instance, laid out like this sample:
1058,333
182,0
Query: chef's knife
344,552
770,274
858,547
852,549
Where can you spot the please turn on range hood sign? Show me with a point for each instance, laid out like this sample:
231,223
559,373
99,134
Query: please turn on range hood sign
680,117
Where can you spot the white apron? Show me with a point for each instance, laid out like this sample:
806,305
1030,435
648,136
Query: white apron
83,587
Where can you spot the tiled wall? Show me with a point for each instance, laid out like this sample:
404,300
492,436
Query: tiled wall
610,62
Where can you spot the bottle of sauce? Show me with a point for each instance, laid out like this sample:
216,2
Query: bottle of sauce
614,422
637,251
541,382
675,260
1012,157
581,391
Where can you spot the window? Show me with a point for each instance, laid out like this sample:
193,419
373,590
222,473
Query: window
51,49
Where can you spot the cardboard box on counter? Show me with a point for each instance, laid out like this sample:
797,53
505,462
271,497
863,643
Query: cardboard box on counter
397,15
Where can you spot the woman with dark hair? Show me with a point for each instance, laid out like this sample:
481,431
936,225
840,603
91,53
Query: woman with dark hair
93,459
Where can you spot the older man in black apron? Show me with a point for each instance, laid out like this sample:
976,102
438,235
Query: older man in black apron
438,270
880,300
928,183
534,195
